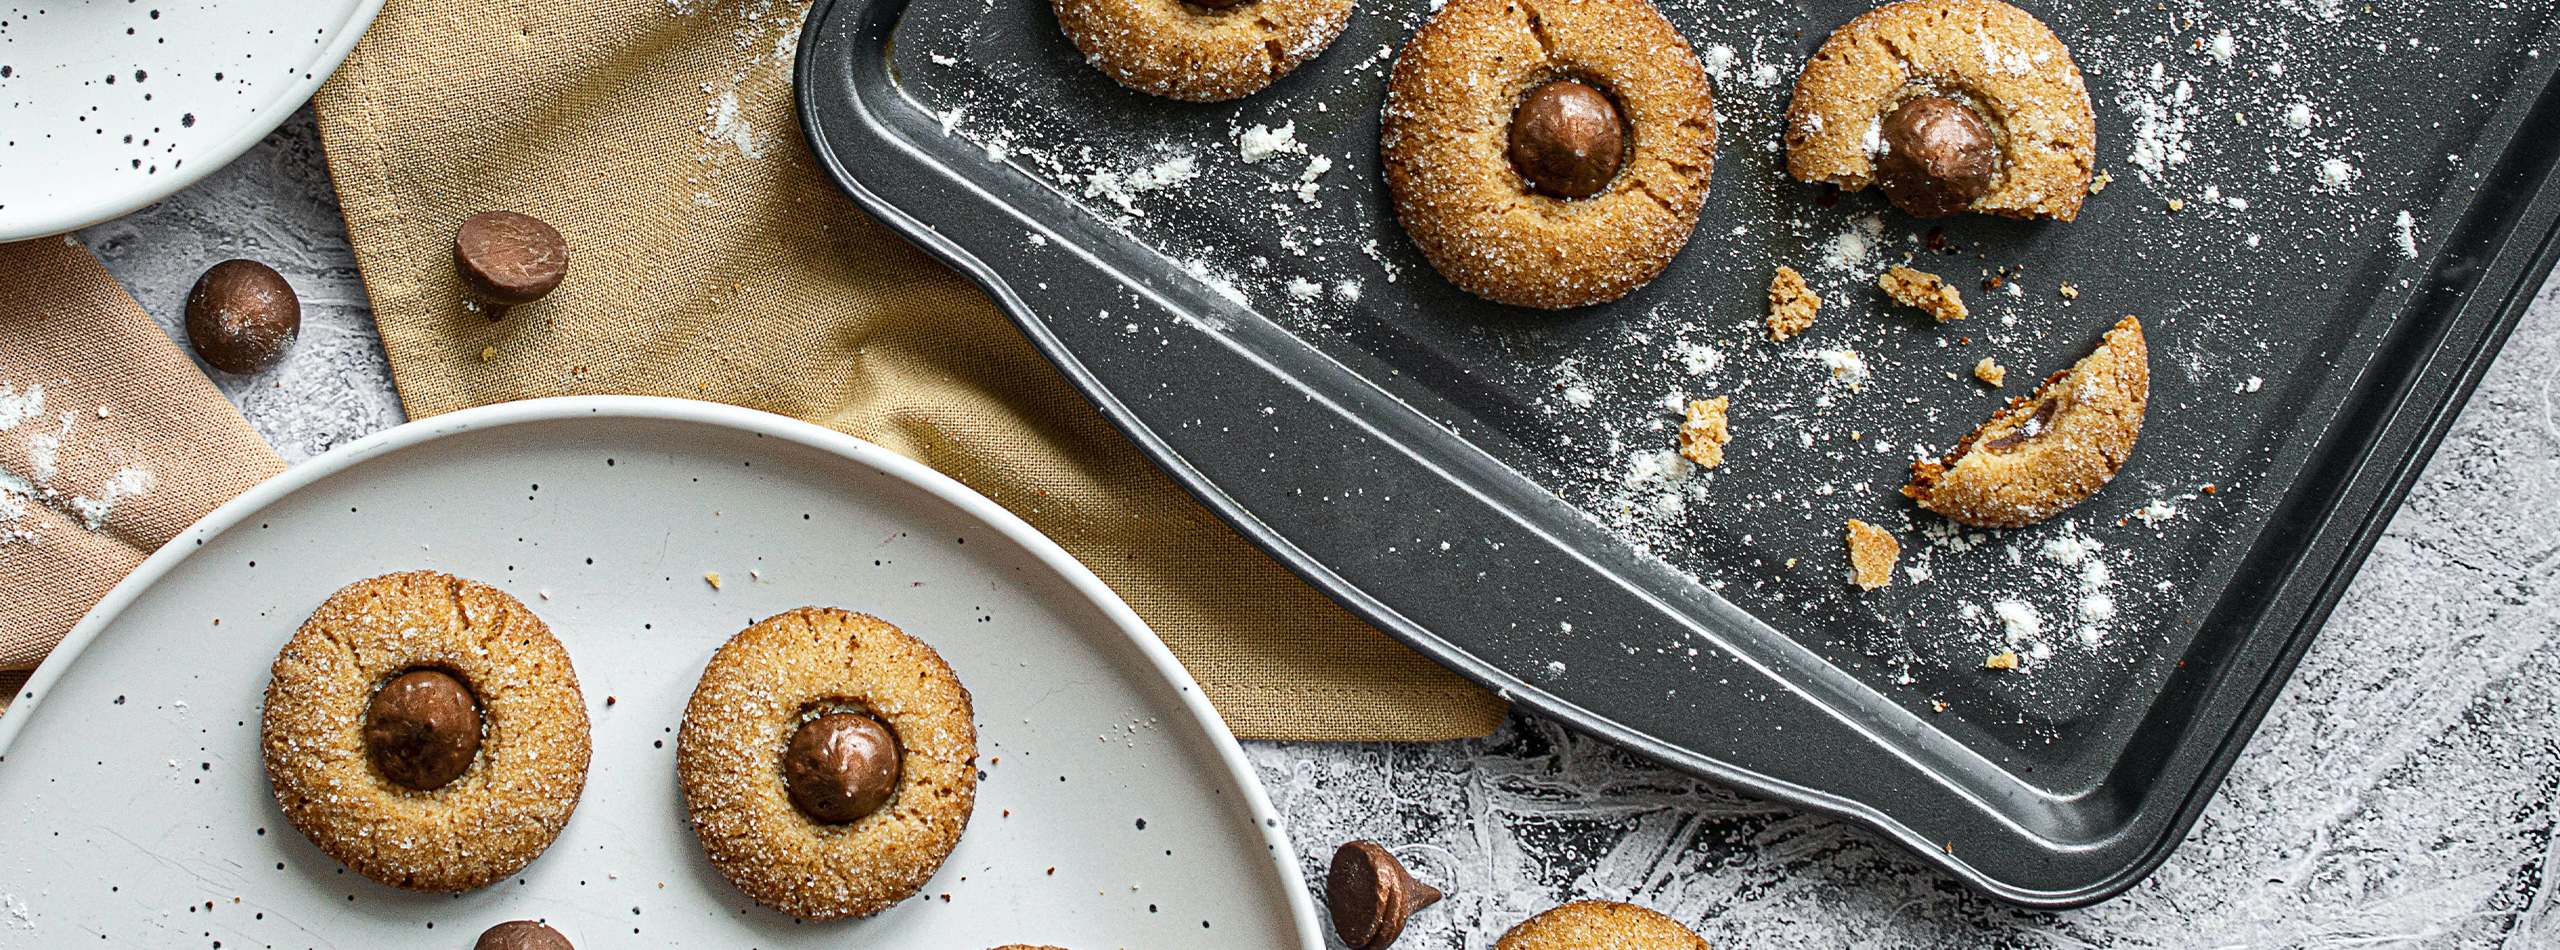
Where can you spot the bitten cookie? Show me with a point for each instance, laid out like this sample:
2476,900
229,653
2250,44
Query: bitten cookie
1949,106
1600,925
829,762
2050,449
427,731
1201,51
1548,153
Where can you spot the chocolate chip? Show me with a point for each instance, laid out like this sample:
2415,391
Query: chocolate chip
521,935
2034,426
840,767
1938,157
243,317
1567,139
1370,895
423,729
508,258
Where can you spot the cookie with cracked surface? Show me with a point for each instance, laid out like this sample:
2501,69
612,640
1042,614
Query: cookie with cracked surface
1204,50
2050,449
1600,925
427,731
1548,153
1949,106
755,751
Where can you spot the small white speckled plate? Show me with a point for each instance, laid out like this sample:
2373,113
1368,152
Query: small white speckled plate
109,105
1116,812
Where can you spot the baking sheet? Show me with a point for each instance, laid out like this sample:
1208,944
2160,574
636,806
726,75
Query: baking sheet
2294,210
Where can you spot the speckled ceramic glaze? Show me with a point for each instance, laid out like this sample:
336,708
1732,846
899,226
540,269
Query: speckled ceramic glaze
1115,809
109,105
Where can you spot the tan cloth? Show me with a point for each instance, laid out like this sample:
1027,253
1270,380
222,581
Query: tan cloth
111,442
710,258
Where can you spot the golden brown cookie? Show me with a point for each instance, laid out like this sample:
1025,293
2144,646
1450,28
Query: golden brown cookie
1196,51
1448,148
325,754
2015,76
2050,449
1600,925
759,691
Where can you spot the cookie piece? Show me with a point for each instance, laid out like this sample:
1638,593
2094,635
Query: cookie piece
1449,148
1600,925
2050,449
1990,371
1201,52
1989,59
520,784
758,691
1872,551
1703,434
1792,305
1924,290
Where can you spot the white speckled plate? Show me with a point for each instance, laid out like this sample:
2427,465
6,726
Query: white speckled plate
109,105
1116,810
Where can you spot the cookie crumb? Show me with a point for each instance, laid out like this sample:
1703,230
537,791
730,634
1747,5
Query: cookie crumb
2177,204
2100,181
1791,305
1703,434
2003,660
1872,551
1924,290
712,578
2070,292
488,353
1990,371
1938,705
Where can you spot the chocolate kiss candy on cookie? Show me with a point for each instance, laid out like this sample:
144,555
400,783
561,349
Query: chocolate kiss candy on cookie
1938,157
507,258
242,316
423,729
840,767
521,935
1567,139
1371,895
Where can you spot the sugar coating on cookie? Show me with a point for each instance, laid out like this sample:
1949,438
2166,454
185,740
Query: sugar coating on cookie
1186,51
1600,925
1792,305
1446,140
1925,291
1999,60
2050,449
755,694
520,787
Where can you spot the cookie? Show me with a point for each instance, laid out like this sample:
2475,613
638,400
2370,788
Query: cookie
1925,291
1600,925
1703,432
1951,106
427,731
1202,52
747,733
1792,305
2050,449
1548,153
1872,551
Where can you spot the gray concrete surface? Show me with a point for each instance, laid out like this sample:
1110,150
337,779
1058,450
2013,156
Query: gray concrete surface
2402,793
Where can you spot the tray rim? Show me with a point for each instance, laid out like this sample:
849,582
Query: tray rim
950,491
2525,253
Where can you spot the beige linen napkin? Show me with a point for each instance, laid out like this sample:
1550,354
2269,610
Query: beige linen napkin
111,442
710,258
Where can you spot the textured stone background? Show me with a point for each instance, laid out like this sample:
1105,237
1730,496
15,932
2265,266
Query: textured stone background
2401,793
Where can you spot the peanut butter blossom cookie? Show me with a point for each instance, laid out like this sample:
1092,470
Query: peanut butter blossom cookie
1600,925
1948,106
427,731
829,762
1548,153
2050,449
1201,50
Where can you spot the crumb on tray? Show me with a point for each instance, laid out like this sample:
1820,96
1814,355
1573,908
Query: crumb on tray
1872,551
1703,434
1913,288
1791,305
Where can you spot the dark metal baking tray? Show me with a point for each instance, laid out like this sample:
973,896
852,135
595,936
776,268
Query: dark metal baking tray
2365,198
